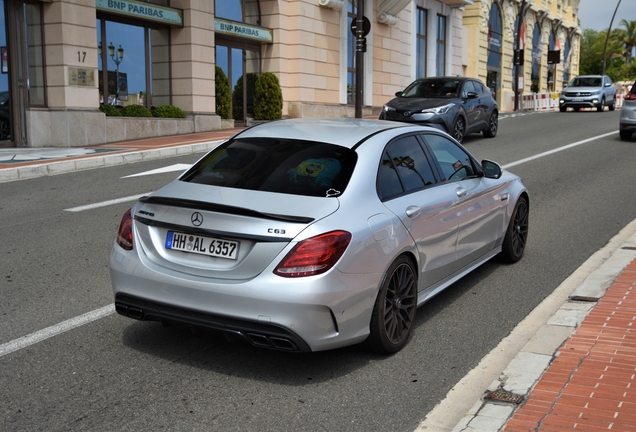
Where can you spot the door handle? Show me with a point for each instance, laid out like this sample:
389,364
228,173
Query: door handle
460,191
413,211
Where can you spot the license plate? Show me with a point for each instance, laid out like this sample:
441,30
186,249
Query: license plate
577,99
202,245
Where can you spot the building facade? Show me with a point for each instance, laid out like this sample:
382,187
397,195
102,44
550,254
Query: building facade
63,59
546,31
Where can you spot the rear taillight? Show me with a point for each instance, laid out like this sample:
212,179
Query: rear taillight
315,255
630,96
125,233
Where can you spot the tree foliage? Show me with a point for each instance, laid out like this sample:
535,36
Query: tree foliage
619,54
268,98
223,93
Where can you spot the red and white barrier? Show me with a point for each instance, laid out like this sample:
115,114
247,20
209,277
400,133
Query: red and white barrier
549,101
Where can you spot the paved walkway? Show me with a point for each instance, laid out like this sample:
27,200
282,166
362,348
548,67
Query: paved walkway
578,372
19,163
591,384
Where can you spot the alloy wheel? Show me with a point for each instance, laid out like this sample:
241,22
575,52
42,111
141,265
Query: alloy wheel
400,304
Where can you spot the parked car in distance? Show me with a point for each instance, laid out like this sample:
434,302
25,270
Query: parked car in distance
459,106
588,91
313,234
627,124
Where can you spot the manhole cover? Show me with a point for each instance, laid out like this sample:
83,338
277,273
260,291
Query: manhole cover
504,396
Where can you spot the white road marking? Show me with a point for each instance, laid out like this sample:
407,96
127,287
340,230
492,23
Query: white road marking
39,336
556,150
106,203
62,327
171,168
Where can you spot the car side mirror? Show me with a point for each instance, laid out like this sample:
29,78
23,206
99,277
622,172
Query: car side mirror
471,95
607,84
491,169
398,94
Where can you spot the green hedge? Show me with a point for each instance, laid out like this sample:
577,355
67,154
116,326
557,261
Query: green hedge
109,110
135,111
268,98
223,93
237,96
163,111
168,111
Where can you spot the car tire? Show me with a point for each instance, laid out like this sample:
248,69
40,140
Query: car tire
514,243
459,129
577,109
601,107
612,106
493,125
395,307
563,109
625,135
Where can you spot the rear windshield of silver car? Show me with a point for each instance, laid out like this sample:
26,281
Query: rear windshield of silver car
277,165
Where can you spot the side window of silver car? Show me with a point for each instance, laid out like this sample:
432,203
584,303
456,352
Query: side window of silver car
404,168
453,160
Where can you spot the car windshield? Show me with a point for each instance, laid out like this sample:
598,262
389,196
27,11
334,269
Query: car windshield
432,89
277,165
585,82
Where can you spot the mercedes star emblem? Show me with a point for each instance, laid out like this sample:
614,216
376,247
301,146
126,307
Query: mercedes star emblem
196,219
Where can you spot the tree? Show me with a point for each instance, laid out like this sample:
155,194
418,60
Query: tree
629,39
223,96
268,98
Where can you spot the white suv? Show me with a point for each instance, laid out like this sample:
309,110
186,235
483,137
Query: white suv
588,91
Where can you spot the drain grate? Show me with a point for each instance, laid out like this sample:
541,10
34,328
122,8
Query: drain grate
504,396
584,299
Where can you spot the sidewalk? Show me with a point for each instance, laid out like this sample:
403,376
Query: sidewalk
19,163
576,372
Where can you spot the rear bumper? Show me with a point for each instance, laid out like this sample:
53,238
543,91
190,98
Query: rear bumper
627,127
315,313
257,333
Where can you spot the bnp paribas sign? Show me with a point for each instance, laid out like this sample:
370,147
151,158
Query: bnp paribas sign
142,10
247,31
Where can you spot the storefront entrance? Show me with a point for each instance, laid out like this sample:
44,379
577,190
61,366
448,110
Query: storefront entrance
241,64
22,81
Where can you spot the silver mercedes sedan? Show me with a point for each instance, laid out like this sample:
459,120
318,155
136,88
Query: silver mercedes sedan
313,234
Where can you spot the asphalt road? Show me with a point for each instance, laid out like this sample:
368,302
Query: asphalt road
114,373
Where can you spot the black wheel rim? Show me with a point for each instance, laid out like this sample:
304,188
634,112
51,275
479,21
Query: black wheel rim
493,124
400,304
520,229
459,129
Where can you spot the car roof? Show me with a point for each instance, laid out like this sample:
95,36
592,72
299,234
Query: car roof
346,132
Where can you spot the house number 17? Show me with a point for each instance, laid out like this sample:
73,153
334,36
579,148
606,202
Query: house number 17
81,56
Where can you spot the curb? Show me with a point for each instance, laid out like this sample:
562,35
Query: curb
531,346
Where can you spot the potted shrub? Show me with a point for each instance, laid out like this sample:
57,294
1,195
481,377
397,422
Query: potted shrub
223,93
268,98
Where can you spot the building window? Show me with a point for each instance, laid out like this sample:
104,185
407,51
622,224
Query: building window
352,14
35,54
537,49
420,41
440,68
137,62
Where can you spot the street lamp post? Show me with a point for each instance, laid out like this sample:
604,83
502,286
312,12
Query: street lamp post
117,59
